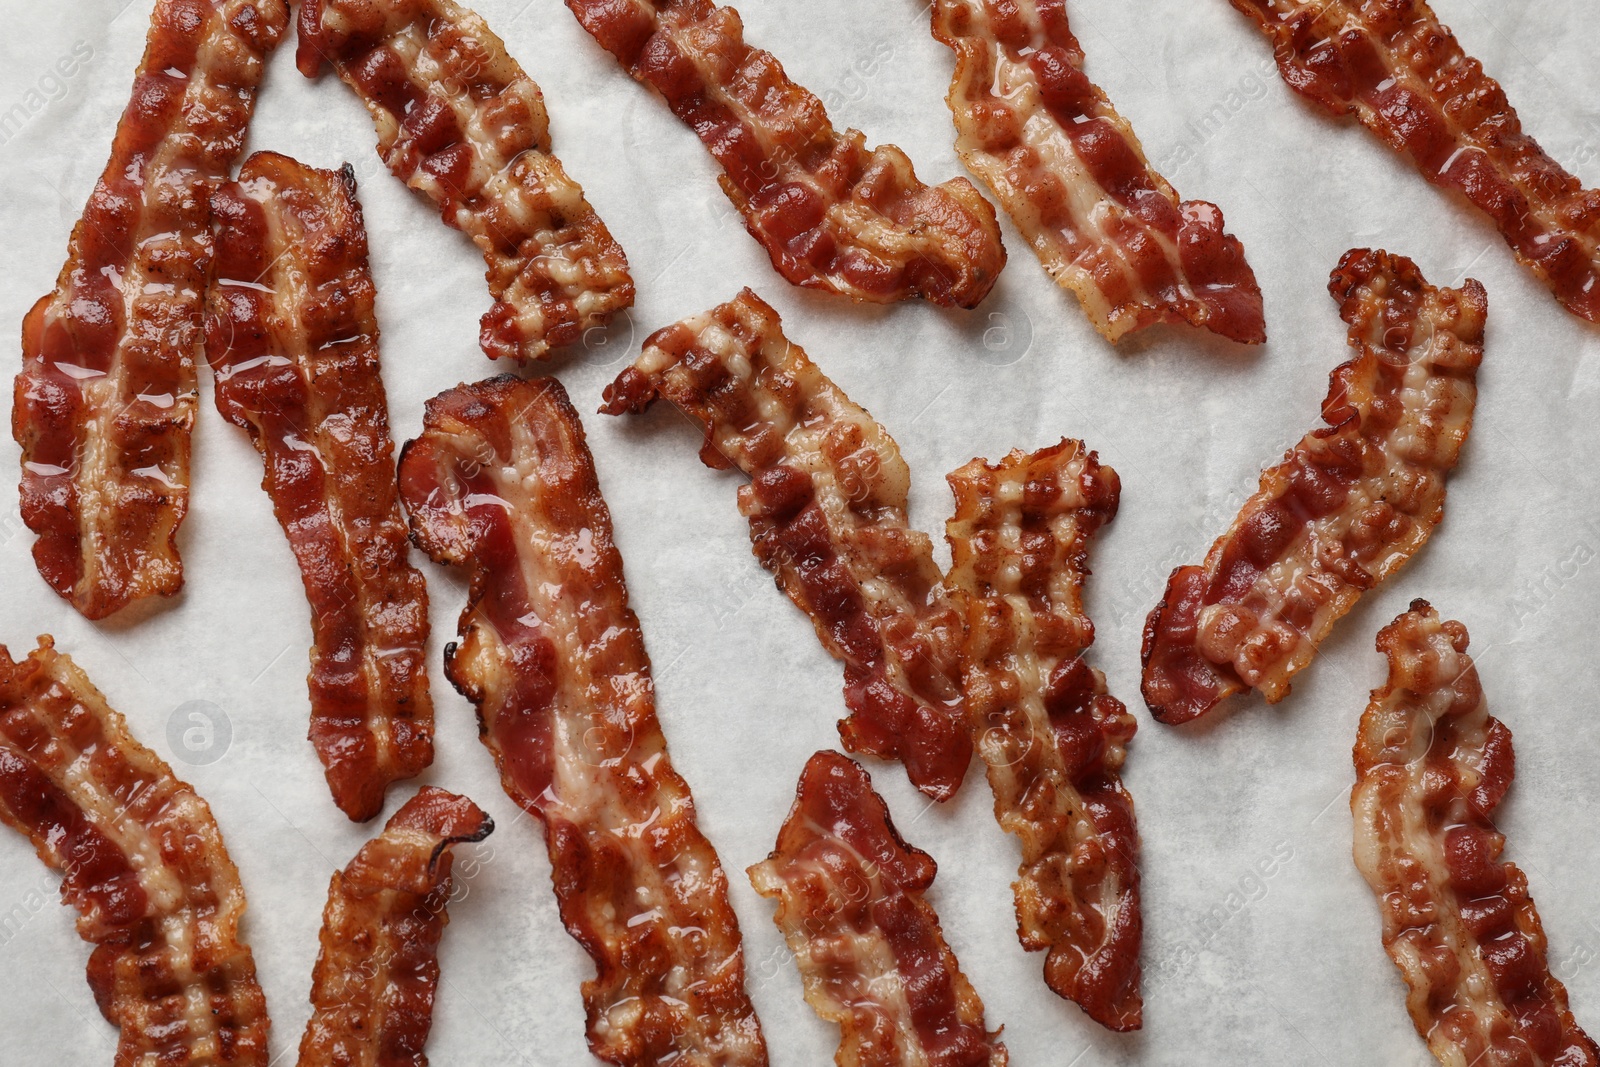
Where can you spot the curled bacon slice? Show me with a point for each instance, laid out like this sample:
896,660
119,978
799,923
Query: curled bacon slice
831,213
293,340
1431,767
502,481
870,951
827,511
373,987
1405,77
460,122
1071,174
105,402
1347,506
1051,736
144,864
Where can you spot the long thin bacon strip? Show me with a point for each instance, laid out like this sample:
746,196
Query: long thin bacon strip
1071,174
105,401
1431,767
1348,505
502,482
831,213
293,340
1051,736
144,865
460,122
827,511
1405,77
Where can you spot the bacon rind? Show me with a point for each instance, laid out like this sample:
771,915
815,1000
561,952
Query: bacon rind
1349,504
1052,738
104,405
144,865
831,213
1431,767
502,482
460,122
827,511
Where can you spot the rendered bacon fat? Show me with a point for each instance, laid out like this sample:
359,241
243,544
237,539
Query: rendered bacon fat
105,402
293,340
1347,506
827,511
1431,767
1051,736
831,213
551,654
460,122
144,865
1073,177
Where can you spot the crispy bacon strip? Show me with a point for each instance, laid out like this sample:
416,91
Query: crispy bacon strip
870,951
105,401
831,213
1071,174
502,482
1431,766
827,511
460,122
1405,77
373,987
1347,506
144,864
293,340
1051,736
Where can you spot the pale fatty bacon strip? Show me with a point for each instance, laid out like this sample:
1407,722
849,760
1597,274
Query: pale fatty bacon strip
1071,174
502,482
144,865
1431,767
460,122
831,213
1347,506
1052,738
293,340
872,957
827,510
104,405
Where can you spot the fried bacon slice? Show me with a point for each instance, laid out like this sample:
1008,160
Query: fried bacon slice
1431,767
1071,174
827,510
373,987
1345,508
293,340
850,902
105,402
831,213
460,122
1051,736
144,864
1405,77
502,481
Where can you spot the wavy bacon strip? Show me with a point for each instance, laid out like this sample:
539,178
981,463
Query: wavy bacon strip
1431,767
1348,505
502,482
1051,736
105,401
460,122
144,865
831,213
827,510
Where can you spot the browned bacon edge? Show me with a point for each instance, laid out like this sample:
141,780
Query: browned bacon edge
143,863
831,213
293,339
1431,767
105,401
